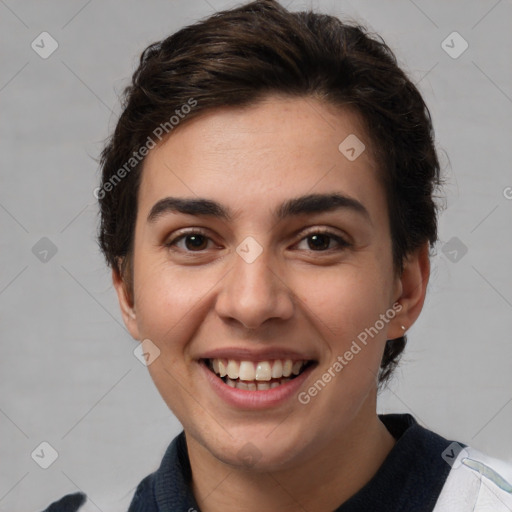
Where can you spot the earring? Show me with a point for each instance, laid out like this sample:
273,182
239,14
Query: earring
403,328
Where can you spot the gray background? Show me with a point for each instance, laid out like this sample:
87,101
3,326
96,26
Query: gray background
68,373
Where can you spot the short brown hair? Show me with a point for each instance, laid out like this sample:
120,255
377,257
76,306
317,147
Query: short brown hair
235,58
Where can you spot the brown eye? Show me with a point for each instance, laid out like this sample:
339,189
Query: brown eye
319,242
193,241
323,241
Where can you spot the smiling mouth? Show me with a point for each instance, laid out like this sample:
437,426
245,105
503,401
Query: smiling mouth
257,376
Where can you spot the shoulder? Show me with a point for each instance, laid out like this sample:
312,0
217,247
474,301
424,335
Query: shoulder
476,482
144,498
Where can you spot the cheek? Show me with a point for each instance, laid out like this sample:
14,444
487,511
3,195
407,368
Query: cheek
170,306
169,302
346,305
346,299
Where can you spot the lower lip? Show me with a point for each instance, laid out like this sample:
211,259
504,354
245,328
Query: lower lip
264,399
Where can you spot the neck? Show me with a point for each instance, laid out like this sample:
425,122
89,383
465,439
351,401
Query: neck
321,483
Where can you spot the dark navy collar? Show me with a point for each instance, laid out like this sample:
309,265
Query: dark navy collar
411,477
409,480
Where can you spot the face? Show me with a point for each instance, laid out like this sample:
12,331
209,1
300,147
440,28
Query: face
263,252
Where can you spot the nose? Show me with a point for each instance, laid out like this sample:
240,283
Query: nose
253,293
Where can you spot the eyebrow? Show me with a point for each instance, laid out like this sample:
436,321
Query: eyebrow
303,205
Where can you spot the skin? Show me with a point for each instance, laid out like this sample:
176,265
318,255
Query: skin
250,160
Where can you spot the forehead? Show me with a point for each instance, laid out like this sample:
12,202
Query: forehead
278,148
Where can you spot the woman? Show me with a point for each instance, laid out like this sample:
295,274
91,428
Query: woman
267,211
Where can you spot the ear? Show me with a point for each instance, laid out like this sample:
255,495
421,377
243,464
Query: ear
412,288
125,303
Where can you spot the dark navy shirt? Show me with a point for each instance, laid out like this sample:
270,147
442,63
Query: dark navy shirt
409,480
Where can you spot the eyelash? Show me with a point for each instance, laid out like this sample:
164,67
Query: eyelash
343,244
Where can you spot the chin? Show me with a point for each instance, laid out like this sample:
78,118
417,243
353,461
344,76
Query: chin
259,448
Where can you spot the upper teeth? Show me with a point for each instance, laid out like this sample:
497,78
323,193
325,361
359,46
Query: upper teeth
260,371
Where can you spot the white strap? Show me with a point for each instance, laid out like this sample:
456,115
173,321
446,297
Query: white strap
476,482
